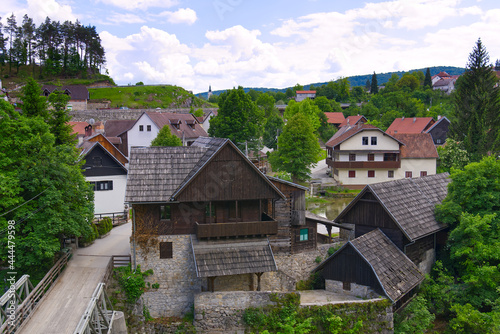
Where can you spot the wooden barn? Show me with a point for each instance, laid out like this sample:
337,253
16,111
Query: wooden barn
371,261
404,211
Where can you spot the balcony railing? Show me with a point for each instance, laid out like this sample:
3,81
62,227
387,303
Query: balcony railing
240,229
363,164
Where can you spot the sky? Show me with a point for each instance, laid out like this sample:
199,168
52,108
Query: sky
230,43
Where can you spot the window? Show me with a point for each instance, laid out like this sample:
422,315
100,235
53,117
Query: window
374,140
207,210
141,127
352,173
423,173
408,174
148,127
371,157
97,161
390,174
165,212
364,141
103,185
346,286
390,157
371,173
166,251
438,141
352,157
304,234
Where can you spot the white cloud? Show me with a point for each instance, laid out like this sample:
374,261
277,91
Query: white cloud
140,4
119,18
182,15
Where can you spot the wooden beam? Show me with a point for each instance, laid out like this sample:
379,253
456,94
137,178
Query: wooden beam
368,200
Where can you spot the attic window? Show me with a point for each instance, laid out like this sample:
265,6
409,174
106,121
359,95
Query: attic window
374,140
364,140
141,127
148,127
175,123
97,161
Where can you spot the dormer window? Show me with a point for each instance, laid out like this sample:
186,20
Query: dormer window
176,123
191,123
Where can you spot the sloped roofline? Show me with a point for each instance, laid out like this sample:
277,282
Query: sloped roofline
361,129
103,136
436,123
107,152
286,182
226,141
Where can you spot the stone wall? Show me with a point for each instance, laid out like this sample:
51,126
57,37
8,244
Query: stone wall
222,312
176,276
118,114
357,290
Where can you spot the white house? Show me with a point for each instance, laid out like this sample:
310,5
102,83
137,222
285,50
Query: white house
305,94
146,128
364,154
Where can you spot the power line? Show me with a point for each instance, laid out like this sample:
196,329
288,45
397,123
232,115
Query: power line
23,203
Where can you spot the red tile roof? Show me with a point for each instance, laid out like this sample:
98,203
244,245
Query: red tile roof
306,92
79,127
190,131
417,145
410,125
335,117
352,120
442,74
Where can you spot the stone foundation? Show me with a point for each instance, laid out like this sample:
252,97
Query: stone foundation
357,290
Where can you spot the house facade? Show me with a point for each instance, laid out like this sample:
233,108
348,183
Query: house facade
364,154
78,95
105,168
206,219
147,126
301,95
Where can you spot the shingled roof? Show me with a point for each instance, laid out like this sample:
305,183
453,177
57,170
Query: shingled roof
417,146
158,174
115,127
193,130
410,202
214,258
347,132
397,274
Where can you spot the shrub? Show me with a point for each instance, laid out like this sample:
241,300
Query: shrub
132,282
318,259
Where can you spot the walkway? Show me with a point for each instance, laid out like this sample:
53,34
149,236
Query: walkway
64,305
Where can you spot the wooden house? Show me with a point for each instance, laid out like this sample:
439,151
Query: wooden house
206,218
404,211
78,95
117,132
371,263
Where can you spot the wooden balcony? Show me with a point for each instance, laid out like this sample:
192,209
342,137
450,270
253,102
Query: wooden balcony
239,229
363,164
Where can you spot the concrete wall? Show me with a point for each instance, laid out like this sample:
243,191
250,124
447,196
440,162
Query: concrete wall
109,201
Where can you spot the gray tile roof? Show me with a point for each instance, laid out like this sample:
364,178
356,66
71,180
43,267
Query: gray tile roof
411,202
156,172
219,258
396,273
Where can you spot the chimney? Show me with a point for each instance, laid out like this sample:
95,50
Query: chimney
414,119
99,127
403,118
88,130
347,120
439,117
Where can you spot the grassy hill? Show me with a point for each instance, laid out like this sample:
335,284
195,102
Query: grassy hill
357,80
162,96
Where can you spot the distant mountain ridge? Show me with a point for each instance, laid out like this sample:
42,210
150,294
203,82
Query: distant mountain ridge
357,80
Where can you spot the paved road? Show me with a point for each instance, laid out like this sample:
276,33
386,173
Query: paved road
63,307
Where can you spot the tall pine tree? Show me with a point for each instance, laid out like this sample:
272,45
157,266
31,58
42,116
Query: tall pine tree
374,85
428,79
475,120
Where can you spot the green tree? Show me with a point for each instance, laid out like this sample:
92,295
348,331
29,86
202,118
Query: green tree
414,318
307,108
323,104
42,190
451,156
59,119
409,82
374,84
272,129
239,119
298,148
475,119
34,104
166,138
428,79
266,103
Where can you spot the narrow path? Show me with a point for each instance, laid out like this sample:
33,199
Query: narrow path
65,304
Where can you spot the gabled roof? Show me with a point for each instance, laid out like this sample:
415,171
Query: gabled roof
114,127
353,120
298,186
439,121
396,273
109,146
214,258
305,92
410,125
189,131
417,146
89,146
159,174
444,82
348,132
410,203
335,117
76,92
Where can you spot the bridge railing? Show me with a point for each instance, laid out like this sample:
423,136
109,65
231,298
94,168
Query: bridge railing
29,304
99,315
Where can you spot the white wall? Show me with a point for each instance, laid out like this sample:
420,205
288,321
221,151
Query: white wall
416,166
142,138
384,142
108,201
381,175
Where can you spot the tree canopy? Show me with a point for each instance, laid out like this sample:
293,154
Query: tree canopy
476,121
166,138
